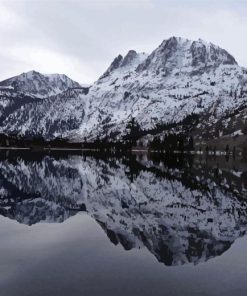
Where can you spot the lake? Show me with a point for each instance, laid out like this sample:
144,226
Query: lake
134,224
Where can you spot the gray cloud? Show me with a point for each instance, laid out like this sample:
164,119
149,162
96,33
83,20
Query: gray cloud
81,38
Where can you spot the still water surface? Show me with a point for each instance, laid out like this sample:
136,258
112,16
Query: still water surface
126,225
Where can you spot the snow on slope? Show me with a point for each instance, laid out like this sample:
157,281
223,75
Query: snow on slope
50,116
179,77
174,81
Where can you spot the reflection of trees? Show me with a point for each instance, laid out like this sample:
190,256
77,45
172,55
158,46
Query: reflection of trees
182,209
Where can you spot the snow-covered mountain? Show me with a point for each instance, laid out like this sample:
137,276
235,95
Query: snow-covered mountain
177,79
39,85
182,215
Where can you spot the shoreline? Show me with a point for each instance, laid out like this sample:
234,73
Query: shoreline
135,150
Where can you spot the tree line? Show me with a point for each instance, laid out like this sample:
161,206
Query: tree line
171,143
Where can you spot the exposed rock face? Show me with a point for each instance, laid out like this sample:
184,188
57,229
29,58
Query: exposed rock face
114,65
129,58
207,54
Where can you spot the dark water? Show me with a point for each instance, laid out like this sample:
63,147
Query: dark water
122,225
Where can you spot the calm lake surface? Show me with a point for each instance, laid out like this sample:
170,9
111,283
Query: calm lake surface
74,224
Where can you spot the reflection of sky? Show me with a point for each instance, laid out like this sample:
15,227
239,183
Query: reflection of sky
76,258
81,38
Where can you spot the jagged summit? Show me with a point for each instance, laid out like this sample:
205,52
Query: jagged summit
129,58
180,53
114,65
129,62
40,85
173,54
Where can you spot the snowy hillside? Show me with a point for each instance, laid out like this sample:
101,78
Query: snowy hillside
177,79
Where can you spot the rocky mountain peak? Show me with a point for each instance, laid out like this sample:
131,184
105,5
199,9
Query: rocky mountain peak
126,63
114,65
128,59
167,53
208,54
40,85
180,53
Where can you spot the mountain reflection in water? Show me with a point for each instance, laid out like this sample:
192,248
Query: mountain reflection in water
183,210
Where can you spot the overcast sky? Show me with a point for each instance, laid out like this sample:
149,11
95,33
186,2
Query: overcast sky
81,38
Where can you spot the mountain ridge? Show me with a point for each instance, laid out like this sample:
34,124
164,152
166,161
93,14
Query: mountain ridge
38,84
178,78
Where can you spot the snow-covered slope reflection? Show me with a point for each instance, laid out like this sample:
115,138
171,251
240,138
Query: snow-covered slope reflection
181,211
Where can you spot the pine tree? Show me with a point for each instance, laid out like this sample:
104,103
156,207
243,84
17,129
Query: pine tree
191,144
134,131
